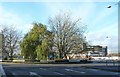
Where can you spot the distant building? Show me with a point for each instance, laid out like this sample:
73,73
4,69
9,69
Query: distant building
89,51
96,50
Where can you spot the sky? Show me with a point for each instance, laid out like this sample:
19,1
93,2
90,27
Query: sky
102,22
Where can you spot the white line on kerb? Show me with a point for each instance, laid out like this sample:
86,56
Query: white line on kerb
58,73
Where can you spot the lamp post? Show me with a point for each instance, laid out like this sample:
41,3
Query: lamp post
104,44
109,7
110,46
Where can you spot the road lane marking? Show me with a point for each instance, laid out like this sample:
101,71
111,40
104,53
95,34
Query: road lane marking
58,73
2,72
93,69
43,69
14,74
34,74
75,71
68,70
117,73
83,72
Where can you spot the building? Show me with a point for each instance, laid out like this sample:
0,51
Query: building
87,52
95,50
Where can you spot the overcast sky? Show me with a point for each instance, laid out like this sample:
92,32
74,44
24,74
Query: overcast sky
102,22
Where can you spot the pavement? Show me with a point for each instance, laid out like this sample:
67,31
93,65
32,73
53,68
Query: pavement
53,70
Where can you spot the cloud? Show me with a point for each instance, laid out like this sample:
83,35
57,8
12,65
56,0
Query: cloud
81,9
54,7
112,29
85,10
8,19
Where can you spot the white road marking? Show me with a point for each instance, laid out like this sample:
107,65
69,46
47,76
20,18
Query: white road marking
14,74
68,70
83,72
34,74
93,69
2,72
74,71
42,69
58,73
117,73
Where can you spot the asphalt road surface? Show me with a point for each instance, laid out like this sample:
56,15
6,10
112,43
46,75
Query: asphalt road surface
20,70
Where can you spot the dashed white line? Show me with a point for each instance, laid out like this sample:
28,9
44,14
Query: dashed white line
74,71
82,72
68,69
34,74
42,69
14,74
93,69
117,73
58,73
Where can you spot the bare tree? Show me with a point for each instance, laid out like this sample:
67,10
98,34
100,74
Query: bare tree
68,33
11,41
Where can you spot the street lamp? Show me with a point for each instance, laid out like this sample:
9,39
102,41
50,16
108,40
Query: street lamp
109,46
109,6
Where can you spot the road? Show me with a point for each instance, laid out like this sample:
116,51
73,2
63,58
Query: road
53,70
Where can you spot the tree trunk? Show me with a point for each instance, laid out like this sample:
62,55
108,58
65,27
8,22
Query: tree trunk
11,57
65,56
60,55
11,54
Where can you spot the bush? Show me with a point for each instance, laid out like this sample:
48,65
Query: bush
61,61
5,58
32,60
83,61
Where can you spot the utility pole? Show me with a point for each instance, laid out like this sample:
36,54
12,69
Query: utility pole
1,47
